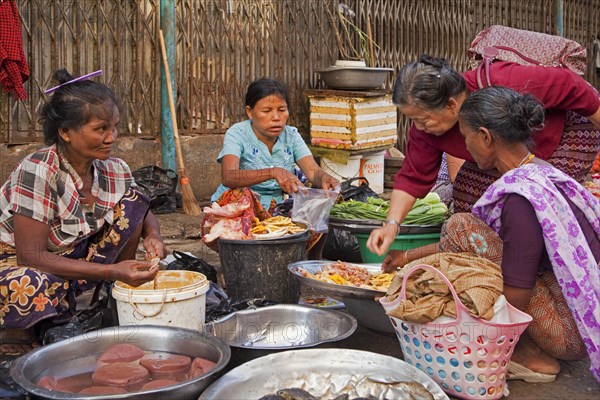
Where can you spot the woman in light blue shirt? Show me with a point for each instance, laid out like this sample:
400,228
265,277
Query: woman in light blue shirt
261,152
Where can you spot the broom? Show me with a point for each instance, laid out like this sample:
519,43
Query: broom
190,205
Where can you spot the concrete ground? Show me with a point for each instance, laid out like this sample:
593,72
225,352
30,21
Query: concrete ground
575,382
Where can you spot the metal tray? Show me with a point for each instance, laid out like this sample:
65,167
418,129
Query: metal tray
79,354
314,266
324,373
367,225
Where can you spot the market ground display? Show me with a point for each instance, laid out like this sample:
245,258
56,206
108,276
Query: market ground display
182,233
574,382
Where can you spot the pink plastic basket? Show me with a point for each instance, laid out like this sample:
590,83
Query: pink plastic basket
467,357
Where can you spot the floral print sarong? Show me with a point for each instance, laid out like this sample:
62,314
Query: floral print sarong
572,261
28,295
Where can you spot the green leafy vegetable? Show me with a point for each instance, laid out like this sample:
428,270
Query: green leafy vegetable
429,210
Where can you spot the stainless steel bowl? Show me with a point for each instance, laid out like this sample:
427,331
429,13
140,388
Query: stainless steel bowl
354,78
282,327
74,354
322,372
259,332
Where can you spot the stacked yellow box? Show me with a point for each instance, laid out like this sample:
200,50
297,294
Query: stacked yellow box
352,123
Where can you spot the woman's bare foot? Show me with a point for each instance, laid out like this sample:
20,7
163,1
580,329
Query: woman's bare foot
531,356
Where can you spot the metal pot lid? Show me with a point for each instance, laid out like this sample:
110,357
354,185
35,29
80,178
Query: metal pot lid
315,266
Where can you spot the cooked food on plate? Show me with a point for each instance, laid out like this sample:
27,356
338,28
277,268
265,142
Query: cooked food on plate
341,273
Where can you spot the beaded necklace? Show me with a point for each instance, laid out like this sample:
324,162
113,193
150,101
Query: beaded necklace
527,159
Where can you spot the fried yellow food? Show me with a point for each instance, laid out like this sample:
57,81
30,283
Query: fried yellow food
275,224
382,281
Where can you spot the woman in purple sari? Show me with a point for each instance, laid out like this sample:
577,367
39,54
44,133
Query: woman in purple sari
540,225
70,215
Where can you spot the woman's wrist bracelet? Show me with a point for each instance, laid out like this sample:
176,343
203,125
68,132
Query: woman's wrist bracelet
393,222
405,258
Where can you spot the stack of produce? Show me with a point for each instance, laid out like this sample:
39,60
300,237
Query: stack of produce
429,210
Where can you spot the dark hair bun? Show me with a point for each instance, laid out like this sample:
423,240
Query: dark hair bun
527,112
434,61
62,76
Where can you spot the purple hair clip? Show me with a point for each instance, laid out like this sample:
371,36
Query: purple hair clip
81,78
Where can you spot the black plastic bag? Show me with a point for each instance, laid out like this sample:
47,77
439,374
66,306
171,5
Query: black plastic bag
87,320
229,305
341,245
160,186
9,389
215,295
284,209
190,263
357,193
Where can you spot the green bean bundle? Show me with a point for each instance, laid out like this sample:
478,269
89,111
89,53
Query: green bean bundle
429,210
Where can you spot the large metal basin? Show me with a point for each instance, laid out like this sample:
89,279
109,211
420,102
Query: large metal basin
324,373
259,332
73,356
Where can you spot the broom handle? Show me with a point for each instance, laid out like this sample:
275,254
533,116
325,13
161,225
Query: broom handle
163,51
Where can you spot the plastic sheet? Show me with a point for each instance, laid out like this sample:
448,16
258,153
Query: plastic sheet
229,305
9,389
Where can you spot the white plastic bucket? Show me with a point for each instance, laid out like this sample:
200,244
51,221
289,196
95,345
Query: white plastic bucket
371,167
340,171
179,300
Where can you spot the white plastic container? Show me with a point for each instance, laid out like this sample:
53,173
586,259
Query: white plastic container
340,171
371,167
179,300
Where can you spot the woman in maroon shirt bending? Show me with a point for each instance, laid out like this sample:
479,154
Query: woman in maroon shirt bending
540,226
431,93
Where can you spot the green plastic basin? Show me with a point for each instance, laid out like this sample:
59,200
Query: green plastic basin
402,242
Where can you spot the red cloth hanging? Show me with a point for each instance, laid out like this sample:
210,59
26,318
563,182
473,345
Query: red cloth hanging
13,64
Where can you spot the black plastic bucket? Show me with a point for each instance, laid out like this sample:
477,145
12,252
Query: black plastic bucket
258,268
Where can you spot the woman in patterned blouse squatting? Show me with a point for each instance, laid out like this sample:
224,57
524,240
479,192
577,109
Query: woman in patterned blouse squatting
536,222
70,216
